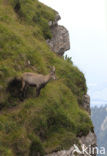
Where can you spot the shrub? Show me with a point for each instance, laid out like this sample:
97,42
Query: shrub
68,59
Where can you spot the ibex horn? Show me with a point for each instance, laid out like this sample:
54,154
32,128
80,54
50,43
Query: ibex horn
53,68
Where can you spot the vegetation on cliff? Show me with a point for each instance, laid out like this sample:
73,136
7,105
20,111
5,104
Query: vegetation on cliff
54,119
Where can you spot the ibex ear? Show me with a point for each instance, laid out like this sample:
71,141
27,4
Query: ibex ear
53,69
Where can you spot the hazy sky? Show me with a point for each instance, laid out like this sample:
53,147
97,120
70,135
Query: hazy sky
86,21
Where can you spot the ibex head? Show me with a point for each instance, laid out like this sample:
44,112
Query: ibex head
53,76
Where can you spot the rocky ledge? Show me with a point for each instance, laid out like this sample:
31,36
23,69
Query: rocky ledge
59,43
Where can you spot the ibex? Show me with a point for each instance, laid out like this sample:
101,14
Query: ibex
37,80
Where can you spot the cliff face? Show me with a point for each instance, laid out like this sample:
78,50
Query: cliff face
57,119
89,140
59,44
60,37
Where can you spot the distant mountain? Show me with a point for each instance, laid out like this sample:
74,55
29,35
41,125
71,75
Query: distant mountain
99,118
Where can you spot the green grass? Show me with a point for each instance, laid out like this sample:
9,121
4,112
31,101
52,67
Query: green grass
53,120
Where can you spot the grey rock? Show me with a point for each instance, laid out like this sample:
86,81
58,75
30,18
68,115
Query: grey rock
86,103
60,42
89,140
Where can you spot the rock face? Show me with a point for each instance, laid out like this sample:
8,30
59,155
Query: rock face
59,44
89,141
86,103
60,37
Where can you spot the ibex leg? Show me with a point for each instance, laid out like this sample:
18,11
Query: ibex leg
37,92
22,94
23,85
25,90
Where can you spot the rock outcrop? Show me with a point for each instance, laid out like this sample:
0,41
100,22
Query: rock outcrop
86,103
88,141
60,37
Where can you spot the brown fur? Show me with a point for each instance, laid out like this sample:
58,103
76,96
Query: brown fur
36,80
